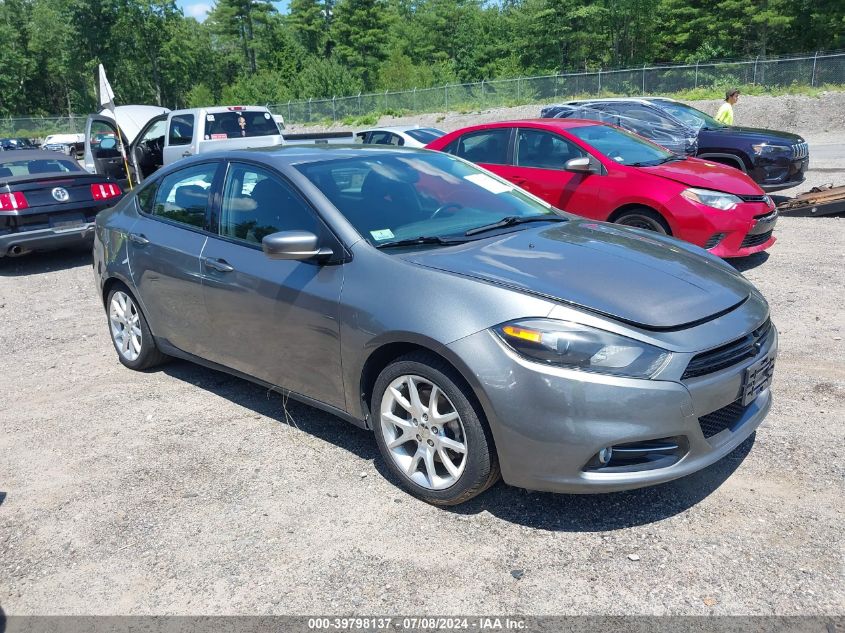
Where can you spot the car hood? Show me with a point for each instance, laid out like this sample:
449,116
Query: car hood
706,174
752,134
634,277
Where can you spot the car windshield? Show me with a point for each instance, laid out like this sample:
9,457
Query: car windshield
425,134
48,165
393,196
689,115
223,125
621,146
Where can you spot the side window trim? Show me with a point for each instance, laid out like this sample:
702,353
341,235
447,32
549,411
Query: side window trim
215,188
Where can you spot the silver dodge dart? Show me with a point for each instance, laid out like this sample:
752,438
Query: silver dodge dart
474,329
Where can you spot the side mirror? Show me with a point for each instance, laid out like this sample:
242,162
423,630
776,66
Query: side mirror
299,245
582,165
108,143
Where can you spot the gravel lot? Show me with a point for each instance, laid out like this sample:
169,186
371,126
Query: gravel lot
186,491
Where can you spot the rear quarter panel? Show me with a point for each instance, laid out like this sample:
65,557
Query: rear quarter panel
111,256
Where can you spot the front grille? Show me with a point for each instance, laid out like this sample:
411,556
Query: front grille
760,198
722,419
713,240
728,355
756,240
800,151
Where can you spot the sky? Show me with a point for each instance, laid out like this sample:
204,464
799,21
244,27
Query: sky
199,8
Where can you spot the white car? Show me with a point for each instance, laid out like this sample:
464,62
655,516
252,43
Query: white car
402,135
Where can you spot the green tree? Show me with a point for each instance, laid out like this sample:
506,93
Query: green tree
358,31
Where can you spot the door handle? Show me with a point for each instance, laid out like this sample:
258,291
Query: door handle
186,154
138,239
518,181
220,265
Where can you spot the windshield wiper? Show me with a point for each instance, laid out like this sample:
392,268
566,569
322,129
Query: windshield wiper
662,161
422,239
513,220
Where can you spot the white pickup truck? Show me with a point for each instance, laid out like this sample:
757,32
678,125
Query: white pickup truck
155,136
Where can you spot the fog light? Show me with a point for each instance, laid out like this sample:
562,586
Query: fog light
605,455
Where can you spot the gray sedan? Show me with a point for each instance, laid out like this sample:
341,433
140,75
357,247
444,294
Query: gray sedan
474,329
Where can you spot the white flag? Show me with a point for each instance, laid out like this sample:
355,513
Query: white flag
106,93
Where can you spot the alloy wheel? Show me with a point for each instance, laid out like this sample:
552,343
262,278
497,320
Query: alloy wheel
423,432
125,322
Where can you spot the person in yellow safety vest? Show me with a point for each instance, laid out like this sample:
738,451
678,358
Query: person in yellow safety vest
726,111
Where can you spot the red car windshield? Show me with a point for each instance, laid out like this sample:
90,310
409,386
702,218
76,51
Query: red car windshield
623,147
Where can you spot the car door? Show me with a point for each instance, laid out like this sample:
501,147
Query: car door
104,159
540,158
276,320
165,244
148,147
180,134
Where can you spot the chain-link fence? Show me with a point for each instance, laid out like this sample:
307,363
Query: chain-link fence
815,69
40,127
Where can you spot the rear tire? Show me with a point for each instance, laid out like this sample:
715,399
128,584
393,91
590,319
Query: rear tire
644,218
430,434
130,334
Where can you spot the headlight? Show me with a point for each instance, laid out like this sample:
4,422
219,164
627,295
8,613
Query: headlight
574,346
764,149
715,199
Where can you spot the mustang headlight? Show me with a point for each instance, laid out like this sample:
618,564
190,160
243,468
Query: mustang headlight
715,199
574,346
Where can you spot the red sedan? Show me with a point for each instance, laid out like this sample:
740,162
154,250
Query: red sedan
602,172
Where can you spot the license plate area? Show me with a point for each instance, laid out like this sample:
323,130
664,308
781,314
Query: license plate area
67,222
757,378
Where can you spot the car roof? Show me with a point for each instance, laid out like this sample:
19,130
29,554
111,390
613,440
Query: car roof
32,154
397,128
645,100
562,124
298,154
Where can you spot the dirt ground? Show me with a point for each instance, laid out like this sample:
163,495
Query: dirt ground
185,491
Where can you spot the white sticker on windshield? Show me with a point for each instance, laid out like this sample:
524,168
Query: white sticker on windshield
490,184
266,115
383,234
209,117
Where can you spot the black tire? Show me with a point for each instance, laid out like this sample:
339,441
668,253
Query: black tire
481,468
149,355
643,218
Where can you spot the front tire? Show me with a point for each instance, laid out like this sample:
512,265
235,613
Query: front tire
430,435
129,331
644,218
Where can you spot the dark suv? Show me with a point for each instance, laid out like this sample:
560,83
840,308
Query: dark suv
775,160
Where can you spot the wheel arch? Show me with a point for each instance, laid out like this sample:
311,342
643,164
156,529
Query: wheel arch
632,206
724,158
387,352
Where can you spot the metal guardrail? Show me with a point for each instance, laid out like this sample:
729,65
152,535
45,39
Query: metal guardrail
815,69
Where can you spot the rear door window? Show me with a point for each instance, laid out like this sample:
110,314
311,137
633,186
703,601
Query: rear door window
181,129
486,146
183,196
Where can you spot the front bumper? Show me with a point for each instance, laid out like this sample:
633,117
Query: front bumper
781,173
45,239
742,231
549,424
